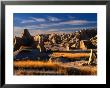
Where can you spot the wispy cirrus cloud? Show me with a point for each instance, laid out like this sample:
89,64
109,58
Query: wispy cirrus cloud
51,18
69,22
32,19
34,26
27,21
77,22
69,29
38,19
41,23
53,22
59,24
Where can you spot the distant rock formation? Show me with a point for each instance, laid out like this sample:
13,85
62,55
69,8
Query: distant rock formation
83,39
83,35
67,47
87,34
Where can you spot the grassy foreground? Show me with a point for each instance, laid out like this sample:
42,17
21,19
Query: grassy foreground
50,68
71,55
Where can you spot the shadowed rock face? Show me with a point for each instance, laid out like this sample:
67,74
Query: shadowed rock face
87,34
87,44
27,39
29,53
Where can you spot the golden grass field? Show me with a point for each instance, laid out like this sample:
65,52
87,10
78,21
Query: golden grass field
52,68
34,64
70,55
38,67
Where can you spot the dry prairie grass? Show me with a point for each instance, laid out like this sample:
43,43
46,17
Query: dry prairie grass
83,70
34,64
50,68
88,70
33,72
71,55
39,68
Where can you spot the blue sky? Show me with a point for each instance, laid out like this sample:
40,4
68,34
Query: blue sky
54,22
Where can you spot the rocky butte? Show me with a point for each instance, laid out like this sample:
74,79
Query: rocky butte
28,46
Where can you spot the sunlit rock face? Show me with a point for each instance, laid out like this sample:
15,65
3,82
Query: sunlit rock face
17,43
94,40
87,44
37,38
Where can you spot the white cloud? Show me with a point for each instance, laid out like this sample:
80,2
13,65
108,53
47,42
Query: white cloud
47,25
69,29
76,28
27,21
77,22
50,18
34,26
33,19
44,25
38,19
51,30
24,20
70,22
